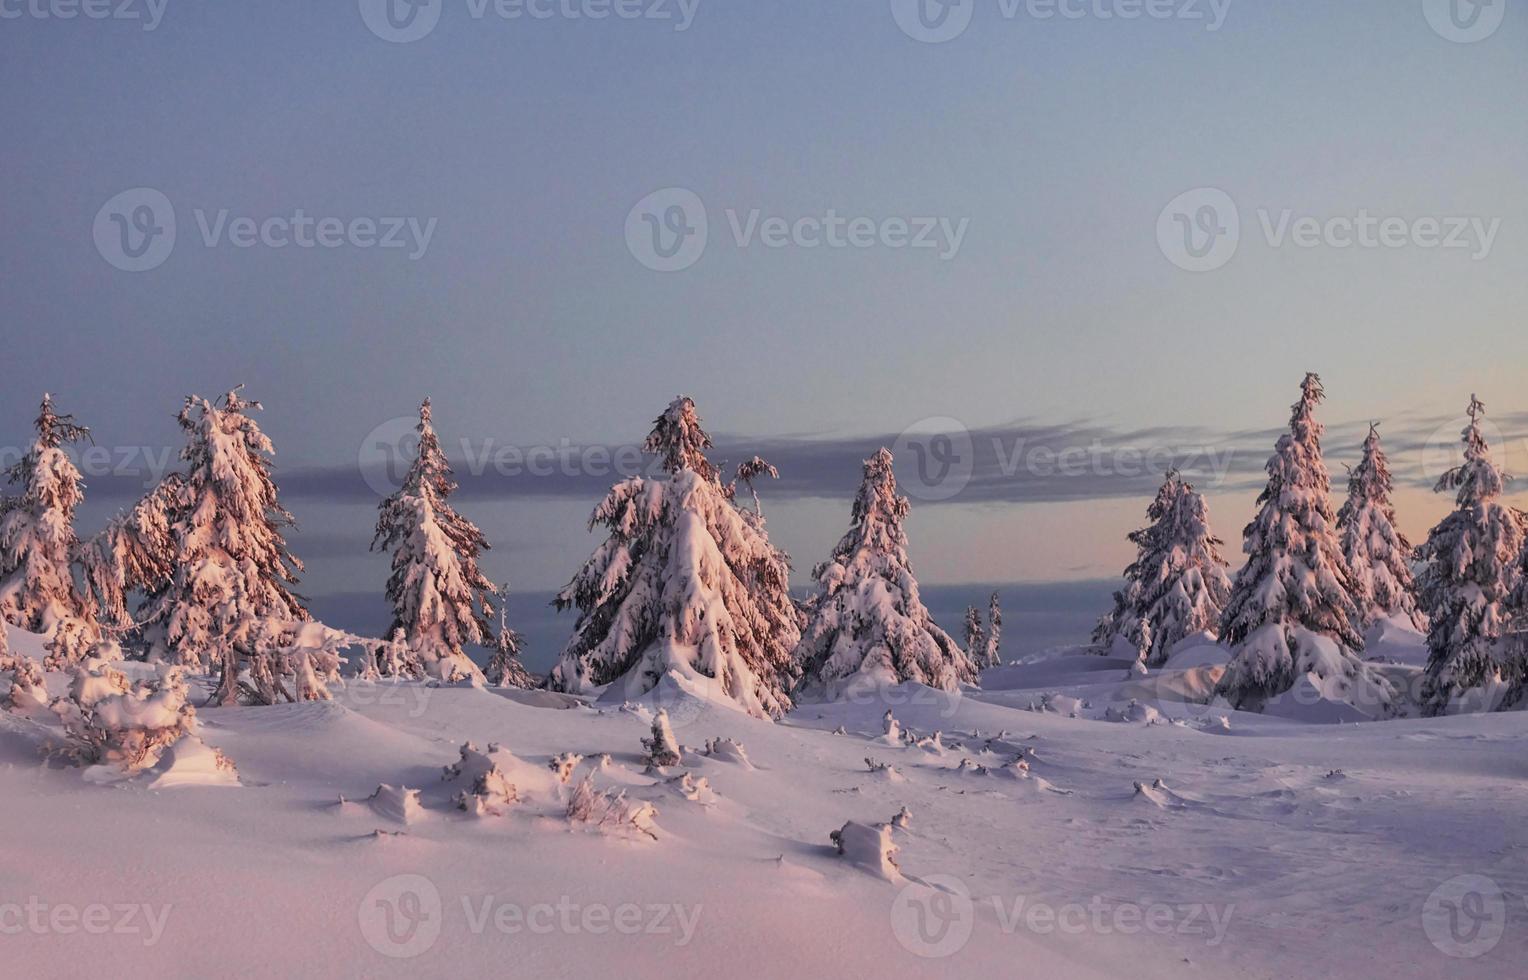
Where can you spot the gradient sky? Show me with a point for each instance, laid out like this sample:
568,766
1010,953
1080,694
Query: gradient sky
529,322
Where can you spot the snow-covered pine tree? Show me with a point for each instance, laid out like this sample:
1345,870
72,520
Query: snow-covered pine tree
1377,553
135,552
868,623
992,653
505,668
1291,609
439,595
976,634
1177,586
687,583
232,573
1472,568
37,539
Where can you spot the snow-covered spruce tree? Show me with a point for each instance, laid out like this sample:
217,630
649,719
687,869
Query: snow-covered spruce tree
976,634
134,553
868,623
230,589
992,651
1291,610
1377,553
687,583
1471,569
505,668
439,595
1177,585
37,540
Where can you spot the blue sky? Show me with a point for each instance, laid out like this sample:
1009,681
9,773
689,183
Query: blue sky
528,142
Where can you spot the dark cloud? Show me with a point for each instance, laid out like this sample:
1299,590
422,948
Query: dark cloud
1018,463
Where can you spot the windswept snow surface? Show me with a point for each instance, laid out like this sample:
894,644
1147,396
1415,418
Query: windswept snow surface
1181,841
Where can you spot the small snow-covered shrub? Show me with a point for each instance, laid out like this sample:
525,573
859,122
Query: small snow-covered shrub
695,790
27,695
868,847
662,749
728,750
610,811
113,722
70,642
397,803
564,763
484,788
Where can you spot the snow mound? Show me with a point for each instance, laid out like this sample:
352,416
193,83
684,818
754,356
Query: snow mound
540,699
1134,713
191,762
1314,701
1158,795
868,848
1199,650
396,803
728,750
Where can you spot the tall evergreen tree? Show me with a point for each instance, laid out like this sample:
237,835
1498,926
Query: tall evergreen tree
37,539
133,553
1377,553
868,624
994,653
439,595
1472,566
505,668
1291,610
231,584
687,583
976,635
1177,586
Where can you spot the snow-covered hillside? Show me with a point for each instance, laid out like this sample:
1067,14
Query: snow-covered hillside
1046,826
